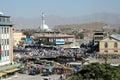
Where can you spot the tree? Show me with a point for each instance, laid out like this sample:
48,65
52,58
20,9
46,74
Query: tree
81,36
97,71
75,77
93,70
28,34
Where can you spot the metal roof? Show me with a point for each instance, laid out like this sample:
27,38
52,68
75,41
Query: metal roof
116,36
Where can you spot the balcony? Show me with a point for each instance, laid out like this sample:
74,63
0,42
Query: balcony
6,23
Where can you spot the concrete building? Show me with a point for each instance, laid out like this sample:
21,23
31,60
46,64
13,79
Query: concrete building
98,36
52,37
6,40
17,37
110,45
6,47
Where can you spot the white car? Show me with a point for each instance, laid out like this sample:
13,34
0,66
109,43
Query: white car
46,78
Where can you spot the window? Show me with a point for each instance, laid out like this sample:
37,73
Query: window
7,19
2,41
3,19
7,41
106,50
7,52
106,45
7,30
115,50
0,19
115,45
2,30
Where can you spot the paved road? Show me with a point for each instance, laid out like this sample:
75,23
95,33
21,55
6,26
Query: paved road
32,77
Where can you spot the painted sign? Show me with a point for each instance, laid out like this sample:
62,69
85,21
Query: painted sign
59,41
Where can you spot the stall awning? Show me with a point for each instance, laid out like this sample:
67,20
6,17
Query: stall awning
2,74
58,67
12,70
8,67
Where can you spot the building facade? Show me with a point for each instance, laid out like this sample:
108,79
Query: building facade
17,37
110,45
7,65
6,40
52,37
98,36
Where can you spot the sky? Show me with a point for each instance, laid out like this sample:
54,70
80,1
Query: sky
66,8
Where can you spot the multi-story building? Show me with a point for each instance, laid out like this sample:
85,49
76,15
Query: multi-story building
6,47
110,45
17,37
98,36
6,40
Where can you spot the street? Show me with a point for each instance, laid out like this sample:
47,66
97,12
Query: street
32,77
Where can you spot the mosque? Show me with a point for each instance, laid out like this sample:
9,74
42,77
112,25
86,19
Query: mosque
49,35
43,26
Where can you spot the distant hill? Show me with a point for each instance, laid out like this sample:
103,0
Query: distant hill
87,26
52,21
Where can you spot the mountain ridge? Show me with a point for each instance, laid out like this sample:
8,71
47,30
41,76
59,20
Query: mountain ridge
53,20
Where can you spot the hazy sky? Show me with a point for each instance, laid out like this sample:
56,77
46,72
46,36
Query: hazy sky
67,8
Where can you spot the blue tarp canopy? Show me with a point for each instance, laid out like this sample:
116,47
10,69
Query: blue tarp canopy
28,40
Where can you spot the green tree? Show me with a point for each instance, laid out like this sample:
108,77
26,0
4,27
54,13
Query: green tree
28,34
93,70
75,77
81,35
97,71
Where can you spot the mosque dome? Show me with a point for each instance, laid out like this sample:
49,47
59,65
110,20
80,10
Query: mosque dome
45,27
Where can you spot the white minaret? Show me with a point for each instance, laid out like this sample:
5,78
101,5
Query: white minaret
43,27
43,22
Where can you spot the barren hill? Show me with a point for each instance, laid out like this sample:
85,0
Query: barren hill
52,20
87,26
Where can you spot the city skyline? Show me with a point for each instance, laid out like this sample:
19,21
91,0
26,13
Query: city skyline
66,8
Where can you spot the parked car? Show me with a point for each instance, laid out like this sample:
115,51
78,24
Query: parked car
46,72
24,71
34,71
39,63
46,78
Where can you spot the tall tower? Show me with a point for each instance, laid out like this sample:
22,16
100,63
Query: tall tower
43,22
43,27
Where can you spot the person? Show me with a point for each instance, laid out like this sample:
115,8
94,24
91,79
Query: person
61,77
